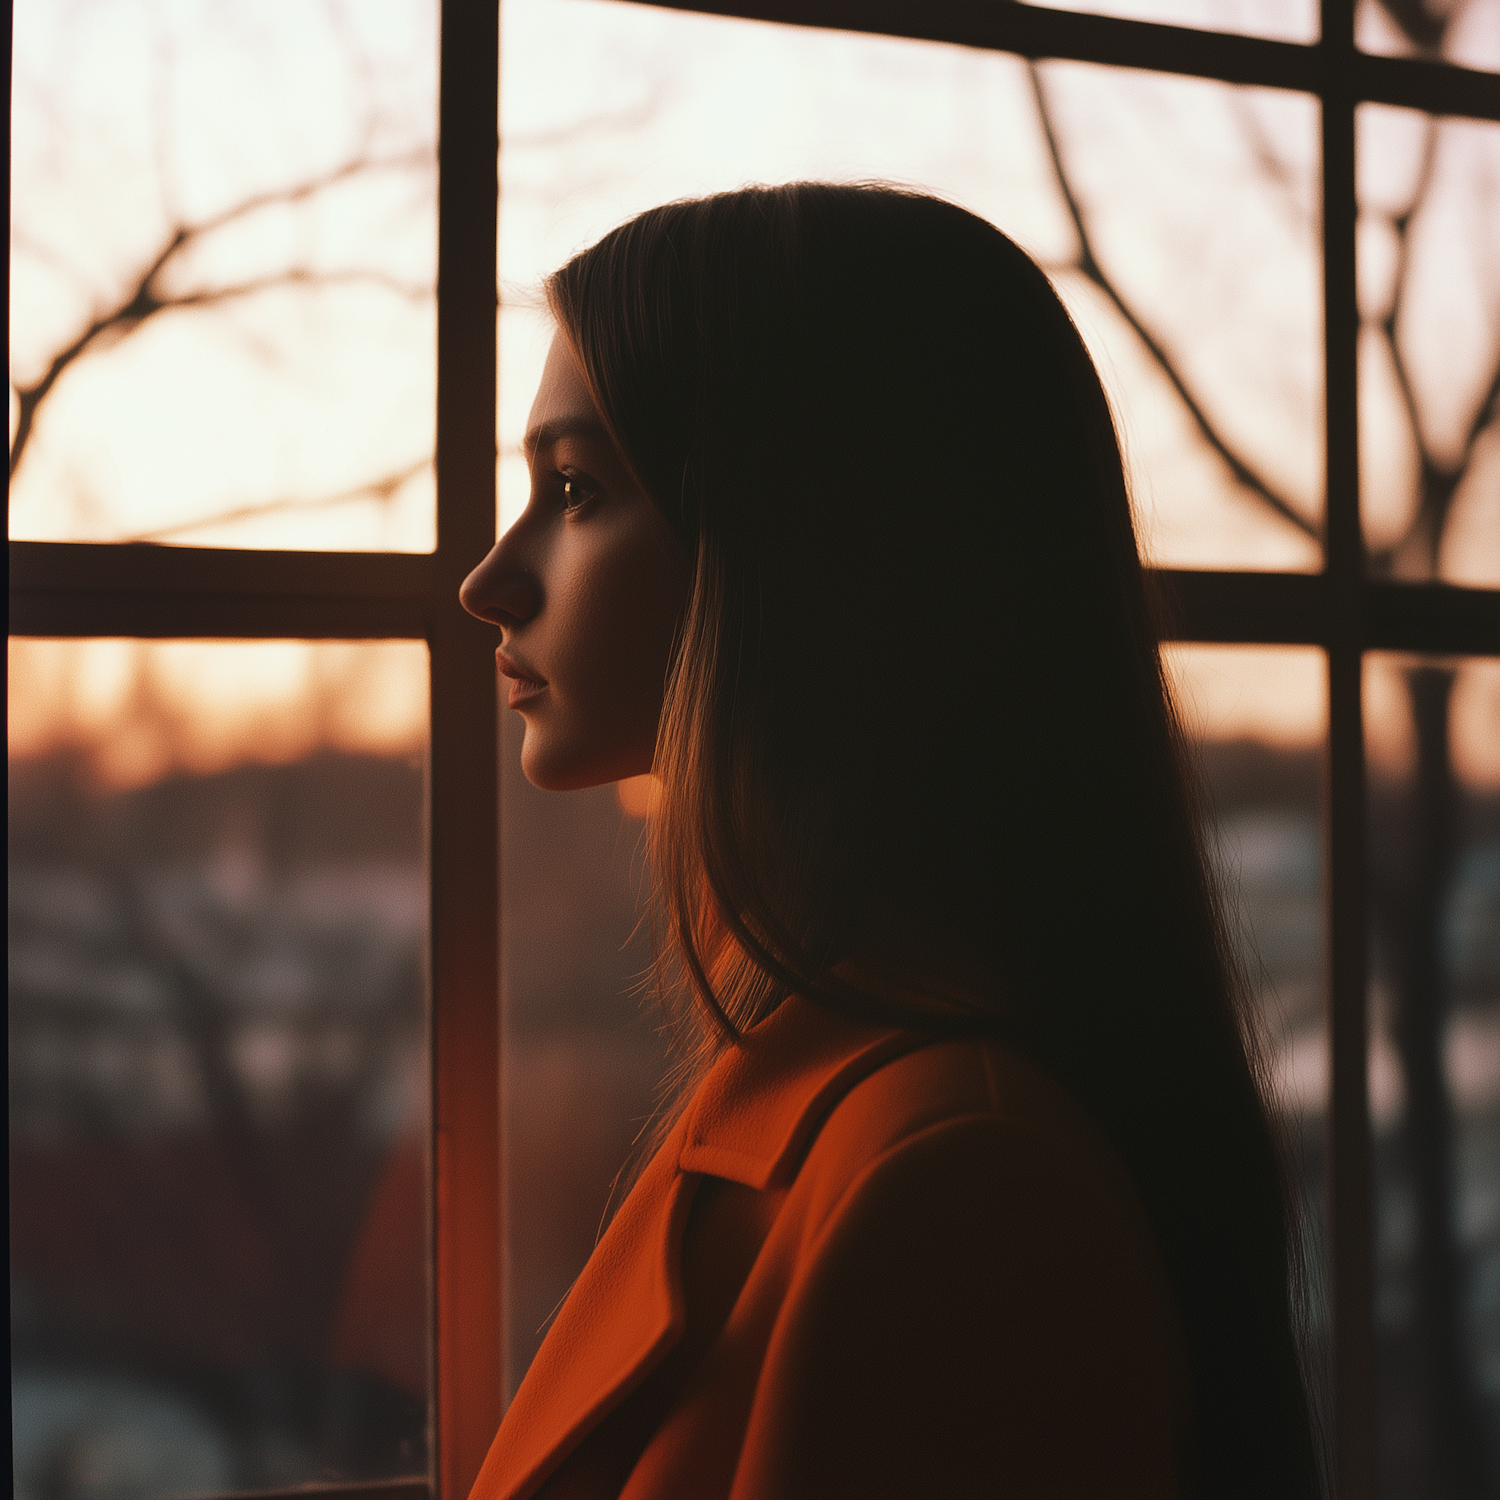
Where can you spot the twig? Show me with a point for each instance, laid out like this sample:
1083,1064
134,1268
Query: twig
383,490
1266,159
1439,482
1088,264
145,298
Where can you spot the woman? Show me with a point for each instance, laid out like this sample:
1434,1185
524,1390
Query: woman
970,1190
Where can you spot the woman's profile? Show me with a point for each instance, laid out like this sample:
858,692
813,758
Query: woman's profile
968,1188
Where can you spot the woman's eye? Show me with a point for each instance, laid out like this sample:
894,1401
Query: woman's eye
577,491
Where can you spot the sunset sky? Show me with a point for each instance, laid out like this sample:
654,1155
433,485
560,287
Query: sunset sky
297,410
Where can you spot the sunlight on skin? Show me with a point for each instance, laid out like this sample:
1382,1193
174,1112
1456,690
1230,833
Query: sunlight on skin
586,589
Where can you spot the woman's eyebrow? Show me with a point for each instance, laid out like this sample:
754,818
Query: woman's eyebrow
547,433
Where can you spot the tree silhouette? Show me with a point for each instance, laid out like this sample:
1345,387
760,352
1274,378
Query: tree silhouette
150,294
382,144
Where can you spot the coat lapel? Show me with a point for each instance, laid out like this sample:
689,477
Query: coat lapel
623,1314
751,1120
756,1113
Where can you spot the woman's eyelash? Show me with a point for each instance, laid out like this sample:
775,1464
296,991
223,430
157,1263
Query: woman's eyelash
577,490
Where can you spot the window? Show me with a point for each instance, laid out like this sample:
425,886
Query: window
249,1071
1275,226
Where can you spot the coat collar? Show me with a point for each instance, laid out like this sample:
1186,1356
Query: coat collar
756,1112
751,1120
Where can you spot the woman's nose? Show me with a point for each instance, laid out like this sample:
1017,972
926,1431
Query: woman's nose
501,589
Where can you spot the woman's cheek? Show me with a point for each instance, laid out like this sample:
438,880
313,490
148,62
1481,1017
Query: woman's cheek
598,720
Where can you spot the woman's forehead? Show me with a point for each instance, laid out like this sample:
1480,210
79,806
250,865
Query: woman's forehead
563,404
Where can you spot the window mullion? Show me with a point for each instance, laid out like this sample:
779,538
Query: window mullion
1416,83
464,802
1301,609
139,567
1038,31
86,589
1350,1217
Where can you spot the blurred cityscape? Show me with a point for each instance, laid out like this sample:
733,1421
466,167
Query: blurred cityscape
218,1127
1435,1087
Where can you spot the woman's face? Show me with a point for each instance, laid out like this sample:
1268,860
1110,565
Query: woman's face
587,588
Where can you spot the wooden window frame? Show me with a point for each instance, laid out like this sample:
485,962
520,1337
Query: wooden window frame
84,589
93,589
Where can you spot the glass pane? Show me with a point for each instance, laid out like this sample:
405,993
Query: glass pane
1433,740
1429,373
1191,263
218,1066
1286,20
1460,31
222,271
582,1051
1258,720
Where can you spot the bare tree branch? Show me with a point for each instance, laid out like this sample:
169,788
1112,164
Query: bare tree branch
146,297
618,120
1089,265
1422,25
1268,160
383,489
1428,473
298,276
1419,548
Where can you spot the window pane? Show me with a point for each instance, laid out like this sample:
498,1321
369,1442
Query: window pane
1433,740
1429,374
218,1085
1258,719
1460,31
222,271
582,1050
1286,20
1192,264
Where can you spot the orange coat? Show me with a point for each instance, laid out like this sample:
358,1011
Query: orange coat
863,1264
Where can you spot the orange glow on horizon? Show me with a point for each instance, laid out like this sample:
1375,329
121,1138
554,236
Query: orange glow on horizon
137,711
1275,694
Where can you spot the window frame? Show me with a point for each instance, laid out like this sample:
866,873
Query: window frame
126,589
90,589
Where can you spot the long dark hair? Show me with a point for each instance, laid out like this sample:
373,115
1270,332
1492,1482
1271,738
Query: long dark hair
917,692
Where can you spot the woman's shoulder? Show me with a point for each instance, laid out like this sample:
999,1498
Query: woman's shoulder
971,1290
984,1099
842,1115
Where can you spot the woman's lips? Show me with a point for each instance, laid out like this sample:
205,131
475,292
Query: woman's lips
523,690
523,685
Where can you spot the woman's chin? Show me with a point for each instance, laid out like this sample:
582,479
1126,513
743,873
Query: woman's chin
555,768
